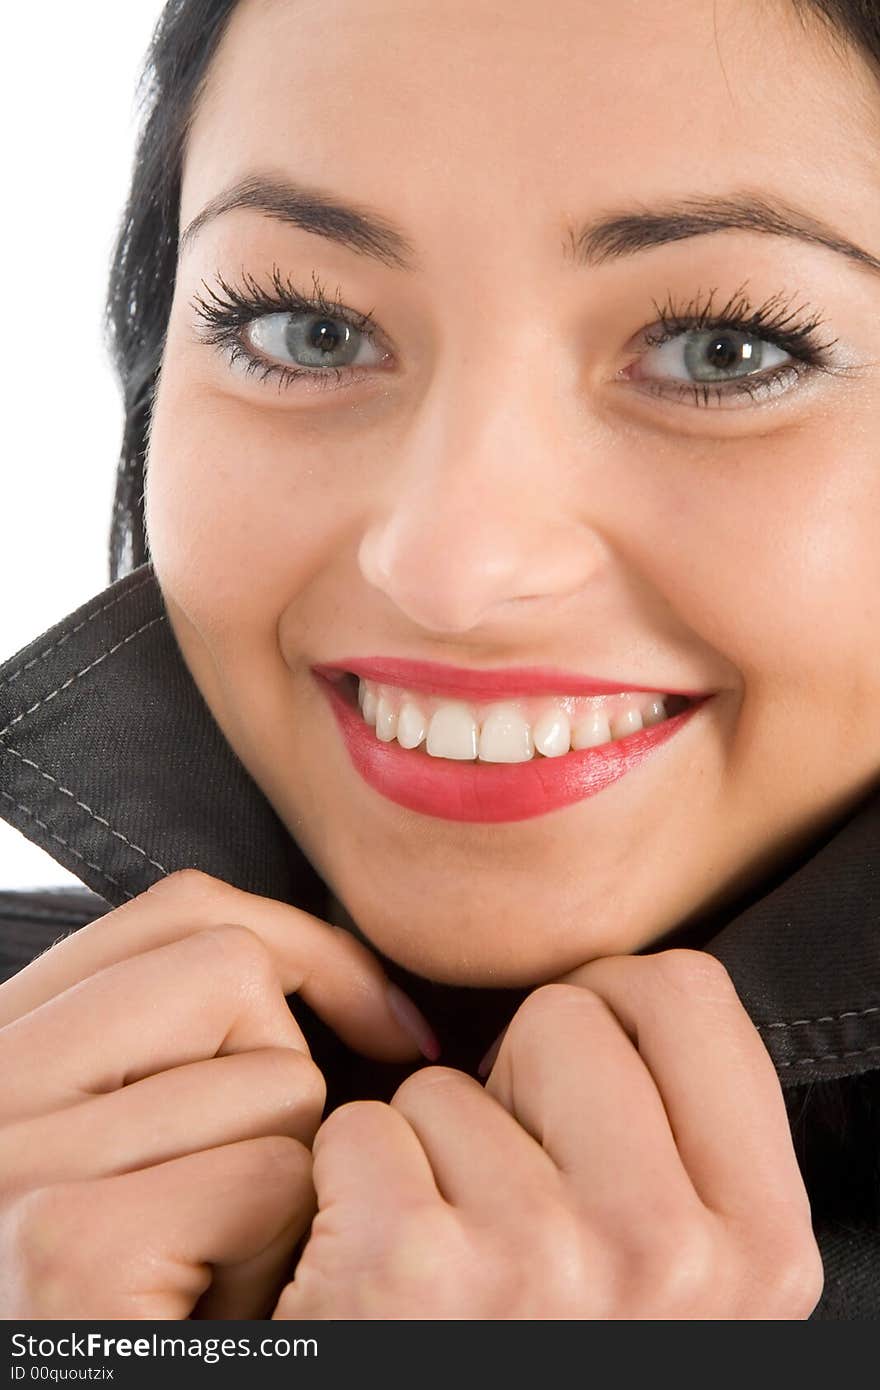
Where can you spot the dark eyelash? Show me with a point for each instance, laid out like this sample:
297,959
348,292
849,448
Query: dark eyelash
772,320
229,309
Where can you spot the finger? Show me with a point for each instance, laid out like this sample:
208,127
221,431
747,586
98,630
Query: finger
480,1155
366,1158
333,972
221,1211
571,1076
380,1216
194,1107
251,1289
718,1084
219,994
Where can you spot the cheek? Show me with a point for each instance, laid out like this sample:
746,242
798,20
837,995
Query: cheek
242,506
771,555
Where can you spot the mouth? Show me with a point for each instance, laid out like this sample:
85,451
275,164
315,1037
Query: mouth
512,758
513,730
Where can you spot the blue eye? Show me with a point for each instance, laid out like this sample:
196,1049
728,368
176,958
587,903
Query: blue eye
310,341
713,355
725,364
735,353
281,333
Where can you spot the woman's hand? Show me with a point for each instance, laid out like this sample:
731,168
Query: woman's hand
158,1100
630,1157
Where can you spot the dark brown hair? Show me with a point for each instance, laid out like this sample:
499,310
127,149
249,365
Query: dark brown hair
144,265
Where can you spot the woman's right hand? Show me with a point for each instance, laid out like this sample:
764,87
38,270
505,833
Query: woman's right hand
158,1102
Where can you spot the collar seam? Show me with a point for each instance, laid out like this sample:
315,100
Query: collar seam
824,1018
828,1057
41,656
72,679
32,815
101,820
65,791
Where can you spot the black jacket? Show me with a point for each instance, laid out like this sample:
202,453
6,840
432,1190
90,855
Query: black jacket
111,761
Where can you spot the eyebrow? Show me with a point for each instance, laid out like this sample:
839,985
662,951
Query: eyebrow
610,237
626,233
360,229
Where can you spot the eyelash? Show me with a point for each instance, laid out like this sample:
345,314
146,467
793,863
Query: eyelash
225,312
773,322
228,310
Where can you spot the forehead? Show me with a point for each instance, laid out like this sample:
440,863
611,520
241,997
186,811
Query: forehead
479,110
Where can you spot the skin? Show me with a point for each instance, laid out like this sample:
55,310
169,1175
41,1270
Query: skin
497,497
161,1168
505,498
641,1187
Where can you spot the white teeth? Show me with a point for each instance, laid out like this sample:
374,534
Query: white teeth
627,721
511,731
452,732
552,733
505,737
411,725
655,713
370,705
590,732
386,719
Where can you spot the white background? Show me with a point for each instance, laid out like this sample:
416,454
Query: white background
68,116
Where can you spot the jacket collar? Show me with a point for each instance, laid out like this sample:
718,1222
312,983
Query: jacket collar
111,761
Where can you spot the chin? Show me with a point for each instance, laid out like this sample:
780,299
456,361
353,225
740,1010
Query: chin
503,959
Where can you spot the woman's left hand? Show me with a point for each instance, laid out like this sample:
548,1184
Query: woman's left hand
629,1158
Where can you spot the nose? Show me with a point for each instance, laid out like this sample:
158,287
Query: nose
479,515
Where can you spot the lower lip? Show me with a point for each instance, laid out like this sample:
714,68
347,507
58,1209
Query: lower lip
476,791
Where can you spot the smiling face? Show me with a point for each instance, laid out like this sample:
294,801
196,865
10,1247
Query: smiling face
505,466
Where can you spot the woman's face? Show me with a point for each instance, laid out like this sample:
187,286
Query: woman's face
505,468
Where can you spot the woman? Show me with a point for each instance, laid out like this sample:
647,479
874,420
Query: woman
510,500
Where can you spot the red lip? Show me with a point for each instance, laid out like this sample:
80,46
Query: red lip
477,791
464,683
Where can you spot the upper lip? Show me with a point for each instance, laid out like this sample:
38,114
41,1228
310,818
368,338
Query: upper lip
470,683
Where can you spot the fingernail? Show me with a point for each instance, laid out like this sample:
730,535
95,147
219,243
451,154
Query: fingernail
413,1022
488,1061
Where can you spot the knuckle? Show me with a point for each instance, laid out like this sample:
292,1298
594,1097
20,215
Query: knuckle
556,1237
694,972
427,1259
43,1233
548,1000
428,1255
295,1075
420,1259
797,1277
351,1124
553,1265
235,948
547,1005
423,1240
428,1081
281,1160
43,1212
187,882
680,1263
